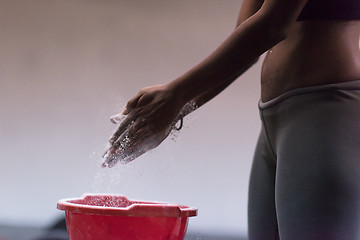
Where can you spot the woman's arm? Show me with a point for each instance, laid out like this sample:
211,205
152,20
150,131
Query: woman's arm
153,111
248,8
263,30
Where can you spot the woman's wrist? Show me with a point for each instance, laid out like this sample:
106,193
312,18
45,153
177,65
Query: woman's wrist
179,91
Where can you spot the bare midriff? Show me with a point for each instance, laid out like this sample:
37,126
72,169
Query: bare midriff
314,53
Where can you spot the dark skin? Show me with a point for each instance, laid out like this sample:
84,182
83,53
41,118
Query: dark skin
299,54
314,53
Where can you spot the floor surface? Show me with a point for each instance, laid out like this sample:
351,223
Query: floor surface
31,233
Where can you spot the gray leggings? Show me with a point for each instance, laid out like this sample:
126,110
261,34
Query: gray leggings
305,178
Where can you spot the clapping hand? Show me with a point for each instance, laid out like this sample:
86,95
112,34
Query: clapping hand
146,121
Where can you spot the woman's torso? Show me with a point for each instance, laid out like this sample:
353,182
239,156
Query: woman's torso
314,53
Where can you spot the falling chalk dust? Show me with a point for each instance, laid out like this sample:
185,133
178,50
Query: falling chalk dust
125,178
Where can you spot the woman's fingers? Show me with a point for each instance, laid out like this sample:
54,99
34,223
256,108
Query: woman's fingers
126,155
126,122
147,124
129,138
126,148
132,103
122,158
130,145
117,118
123,140
143,97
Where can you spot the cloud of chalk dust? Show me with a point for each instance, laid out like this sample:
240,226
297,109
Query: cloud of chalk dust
121,179
147,176
116,180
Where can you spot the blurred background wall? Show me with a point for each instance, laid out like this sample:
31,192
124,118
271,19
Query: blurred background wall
66,66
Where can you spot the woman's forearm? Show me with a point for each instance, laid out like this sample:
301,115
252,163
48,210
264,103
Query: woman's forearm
210,94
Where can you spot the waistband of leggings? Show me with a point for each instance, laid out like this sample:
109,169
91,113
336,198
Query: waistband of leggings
350,85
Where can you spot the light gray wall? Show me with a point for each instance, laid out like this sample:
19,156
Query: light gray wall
66,66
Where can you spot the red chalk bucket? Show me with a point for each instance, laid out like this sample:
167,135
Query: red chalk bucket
114,217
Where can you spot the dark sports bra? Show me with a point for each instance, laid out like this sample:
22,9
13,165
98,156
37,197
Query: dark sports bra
330,9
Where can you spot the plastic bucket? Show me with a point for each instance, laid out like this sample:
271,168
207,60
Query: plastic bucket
110,217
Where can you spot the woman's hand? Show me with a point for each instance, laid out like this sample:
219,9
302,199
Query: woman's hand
150,116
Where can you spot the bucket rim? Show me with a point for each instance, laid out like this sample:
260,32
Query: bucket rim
135,208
